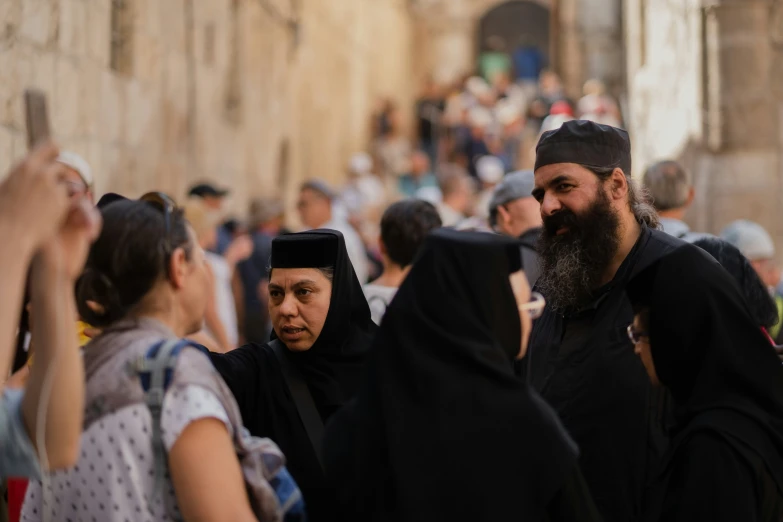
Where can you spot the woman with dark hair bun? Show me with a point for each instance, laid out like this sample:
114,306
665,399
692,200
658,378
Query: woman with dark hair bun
145,284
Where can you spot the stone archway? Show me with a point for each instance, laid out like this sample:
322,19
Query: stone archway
515,23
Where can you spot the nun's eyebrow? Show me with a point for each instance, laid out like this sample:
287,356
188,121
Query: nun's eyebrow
304,282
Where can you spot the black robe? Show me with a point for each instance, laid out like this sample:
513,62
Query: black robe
725,462
583,364
441,429
331,368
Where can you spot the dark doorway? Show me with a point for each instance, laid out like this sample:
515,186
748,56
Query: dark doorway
513,26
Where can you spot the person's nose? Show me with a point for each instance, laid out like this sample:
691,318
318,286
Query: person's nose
289,306
550,205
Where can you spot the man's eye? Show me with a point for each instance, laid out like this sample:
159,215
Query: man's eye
564,186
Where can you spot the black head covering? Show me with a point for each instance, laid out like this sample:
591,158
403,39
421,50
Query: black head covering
722,372
762,306
585,143
442,429
331,366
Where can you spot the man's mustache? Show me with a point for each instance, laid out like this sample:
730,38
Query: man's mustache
561,218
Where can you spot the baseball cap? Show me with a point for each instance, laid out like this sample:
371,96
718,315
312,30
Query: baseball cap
750,238
203,190
79,164
514,186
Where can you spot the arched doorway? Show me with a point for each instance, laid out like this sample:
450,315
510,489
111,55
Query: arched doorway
515,27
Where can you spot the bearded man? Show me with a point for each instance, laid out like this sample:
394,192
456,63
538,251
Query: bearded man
598,232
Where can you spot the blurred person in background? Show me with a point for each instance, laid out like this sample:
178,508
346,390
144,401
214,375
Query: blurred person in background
458,191
490,172
315,206
672,192
528,64
404,226
756,244
560,112
512,124
419,176
363,191
392,150
596,105
429,113
213,197
51,229
760,303
480,119
77,175
495,59
514,212
266,218
220,318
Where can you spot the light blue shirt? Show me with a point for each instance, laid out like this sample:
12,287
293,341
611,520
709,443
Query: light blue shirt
17,454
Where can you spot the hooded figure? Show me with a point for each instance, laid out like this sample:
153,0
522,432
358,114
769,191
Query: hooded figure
325,328
441,428
697,337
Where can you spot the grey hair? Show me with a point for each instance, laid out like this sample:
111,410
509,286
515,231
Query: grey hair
669,183
638,197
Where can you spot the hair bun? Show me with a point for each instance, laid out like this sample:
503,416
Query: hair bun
97,298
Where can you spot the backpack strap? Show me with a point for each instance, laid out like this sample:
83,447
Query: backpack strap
303,399
156,370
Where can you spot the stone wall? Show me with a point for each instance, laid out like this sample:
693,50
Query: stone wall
158,94
704,83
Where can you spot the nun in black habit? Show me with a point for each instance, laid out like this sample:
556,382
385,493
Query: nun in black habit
325,330
697,337
441,429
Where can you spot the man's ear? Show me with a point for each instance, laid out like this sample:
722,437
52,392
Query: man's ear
504,214
618,184
691,196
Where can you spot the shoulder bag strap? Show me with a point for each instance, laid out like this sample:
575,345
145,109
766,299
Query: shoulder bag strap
303,399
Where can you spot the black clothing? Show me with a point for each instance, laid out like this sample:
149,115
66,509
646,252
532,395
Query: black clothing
585,143
331,368
441,429
726,384
528,249
583,364
428,113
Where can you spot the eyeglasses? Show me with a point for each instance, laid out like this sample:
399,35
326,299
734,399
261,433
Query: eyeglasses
636,335
536,305
165,204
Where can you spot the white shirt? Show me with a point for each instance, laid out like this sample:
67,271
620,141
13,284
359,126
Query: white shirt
224,297
354,246
448,216
378,297
114,478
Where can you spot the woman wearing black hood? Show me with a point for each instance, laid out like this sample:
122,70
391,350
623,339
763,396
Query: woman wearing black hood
323,329
696,336
441,429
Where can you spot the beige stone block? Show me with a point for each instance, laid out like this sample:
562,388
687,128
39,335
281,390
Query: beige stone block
65,107
6,150
72,33
9,84
10,17
19,144
39,21
90,92
172,20
148,59
142,117
98,31
32,69
113,108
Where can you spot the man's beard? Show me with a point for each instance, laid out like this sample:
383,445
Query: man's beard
573,263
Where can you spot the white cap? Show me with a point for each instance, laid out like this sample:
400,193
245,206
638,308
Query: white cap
490,169
750,238
480,117
79,164
361,164
430,194
477,86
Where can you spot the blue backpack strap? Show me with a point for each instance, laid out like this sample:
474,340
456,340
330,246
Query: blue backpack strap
156,371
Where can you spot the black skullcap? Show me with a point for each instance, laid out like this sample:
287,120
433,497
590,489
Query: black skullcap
304,250
585,143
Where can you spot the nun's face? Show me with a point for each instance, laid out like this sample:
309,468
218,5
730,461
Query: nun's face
521,288
641,339
298,304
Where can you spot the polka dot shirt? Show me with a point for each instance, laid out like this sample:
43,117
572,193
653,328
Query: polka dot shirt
115,475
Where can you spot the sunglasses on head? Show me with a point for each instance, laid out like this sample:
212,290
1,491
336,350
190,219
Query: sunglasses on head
165,204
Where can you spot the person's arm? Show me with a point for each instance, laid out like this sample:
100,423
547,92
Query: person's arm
202,460
211,317
13,274
55,389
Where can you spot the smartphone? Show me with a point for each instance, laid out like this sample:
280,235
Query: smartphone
37,117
